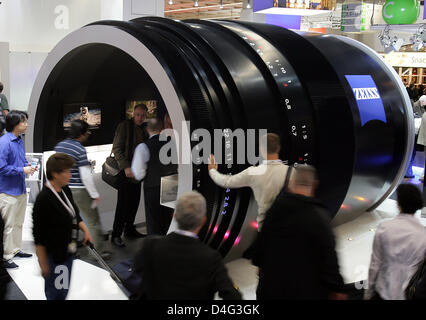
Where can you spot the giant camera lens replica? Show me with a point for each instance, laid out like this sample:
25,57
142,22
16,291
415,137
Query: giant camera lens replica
333,101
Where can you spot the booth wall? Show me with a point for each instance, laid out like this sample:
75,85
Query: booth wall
24,67
31,28
4,67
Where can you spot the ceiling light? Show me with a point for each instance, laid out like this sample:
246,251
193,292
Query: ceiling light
170,2
221,4
417,44
196,3
248,6
397,43
390,44
418,39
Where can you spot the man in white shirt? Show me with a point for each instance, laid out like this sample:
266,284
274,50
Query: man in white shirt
399,246
266,180
146,165
421,138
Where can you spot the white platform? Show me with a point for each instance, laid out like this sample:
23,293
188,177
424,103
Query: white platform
353,245
88,282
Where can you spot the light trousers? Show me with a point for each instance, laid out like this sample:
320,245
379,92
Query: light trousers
13,214
90,216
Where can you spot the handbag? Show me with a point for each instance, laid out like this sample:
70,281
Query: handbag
110,172
130,279
416,289
110,168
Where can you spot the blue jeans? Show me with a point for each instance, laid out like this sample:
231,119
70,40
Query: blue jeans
57,282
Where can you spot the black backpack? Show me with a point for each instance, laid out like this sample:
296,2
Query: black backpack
416,289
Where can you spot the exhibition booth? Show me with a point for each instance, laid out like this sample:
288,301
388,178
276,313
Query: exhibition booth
336,104
309,71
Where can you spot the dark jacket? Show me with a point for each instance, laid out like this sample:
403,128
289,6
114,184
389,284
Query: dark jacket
127,137
53,223
177,267
155,169
295,251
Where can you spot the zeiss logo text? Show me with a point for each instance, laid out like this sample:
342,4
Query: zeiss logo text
366,93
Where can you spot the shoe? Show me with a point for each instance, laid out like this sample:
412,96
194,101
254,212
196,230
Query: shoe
133,234
106,255
9,264
117,241
21,254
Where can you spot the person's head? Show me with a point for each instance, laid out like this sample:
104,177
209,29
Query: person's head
79,130
16,122
1,87
154,126
303,180
58,168
190,211
409,198
273,145
139,114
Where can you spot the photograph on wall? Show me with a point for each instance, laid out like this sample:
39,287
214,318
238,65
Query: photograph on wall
89,112
280,3
306,4
150,104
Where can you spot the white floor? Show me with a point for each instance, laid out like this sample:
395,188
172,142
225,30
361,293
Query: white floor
353,245
88,282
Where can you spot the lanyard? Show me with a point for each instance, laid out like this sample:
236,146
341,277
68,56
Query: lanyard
67,206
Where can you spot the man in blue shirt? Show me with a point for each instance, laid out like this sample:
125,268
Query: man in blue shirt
13,196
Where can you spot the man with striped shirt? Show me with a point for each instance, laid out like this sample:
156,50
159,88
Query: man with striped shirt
81,183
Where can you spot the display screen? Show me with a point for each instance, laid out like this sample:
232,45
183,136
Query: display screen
280,3
300,4
151,105
88,112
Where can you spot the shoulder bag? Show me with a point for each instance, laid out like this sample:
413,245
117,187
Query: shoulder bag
111,169
416,289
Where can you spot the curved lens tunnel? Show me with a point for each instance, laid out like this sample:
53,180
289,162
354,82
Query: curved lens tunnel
332,100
